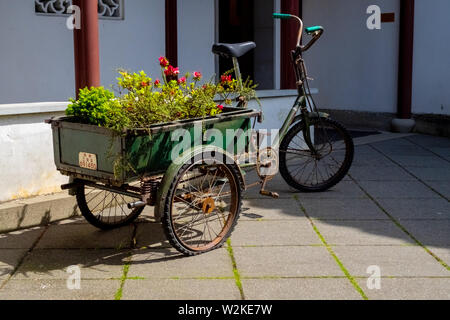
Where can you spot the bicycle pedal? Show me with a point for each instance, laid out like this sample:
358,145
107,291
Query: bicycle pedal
269,194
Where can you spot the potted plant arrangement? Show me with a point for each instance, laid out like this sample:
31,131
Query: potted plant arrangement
141,101
122,135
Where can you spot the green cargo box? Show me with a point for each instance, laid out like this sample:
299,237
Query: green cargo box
78,147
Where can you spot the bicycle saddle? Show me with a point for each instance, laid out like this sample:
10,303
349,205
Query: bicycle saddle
236,50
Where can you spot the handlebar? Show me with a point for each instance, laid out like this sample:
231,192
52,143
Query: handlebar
316,31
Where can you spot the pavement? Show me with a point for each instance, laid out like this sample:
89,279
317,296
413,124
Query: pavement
382,233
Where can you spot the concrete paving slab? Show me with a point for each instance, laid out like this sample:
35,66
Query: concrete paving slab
372,161
186,289
430,141
430,233
442,152
345,189
285,262
409,289
22,239
299,289
394,143
276,185
71,221
383,232
85,236
168,263
392,261
442,253
151,235
433,174
443,187
365,150
402,150
343,209
46,289
9,260
271,209
432,209
380,174
398,189
274,233
53,264
420,161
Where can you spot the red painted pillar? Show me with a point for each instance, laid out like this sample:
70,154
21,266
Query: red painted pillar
289,32
405,69
86,46
172,32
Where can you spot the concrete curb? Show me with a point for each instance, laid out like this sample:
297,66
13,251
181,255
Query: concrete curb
37,211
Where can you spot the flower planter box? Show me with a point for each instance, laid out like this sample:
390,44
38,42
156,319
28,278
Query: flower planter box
148,151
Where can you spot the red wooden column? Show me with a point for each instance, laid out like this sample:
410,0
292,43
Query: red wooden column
289,32
405,69
172,32
86,46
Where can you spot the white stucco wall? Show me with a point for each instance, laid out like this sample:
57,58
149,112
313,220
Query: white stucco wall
26,156
431,77
353,67
36,55
135,43
196,35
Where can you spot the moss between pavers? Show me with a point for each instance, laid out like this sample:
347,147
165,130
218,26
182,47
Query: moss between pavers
400,226
237,276
330,250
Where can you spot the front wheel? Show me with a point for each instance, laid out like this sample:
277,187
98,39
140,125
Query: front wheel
309,171
202,205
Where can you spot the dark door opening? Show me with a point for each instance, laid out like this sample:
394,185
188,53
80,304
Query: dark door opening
236,24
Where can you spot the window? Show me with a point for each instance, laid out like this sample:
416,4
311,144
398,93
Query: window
107,9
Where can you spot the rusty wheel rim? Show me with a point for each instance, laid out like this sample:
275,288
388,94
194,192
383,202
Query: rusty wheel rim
204,205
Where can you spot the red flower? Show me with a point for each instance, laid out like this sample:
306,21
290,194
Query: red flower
225,79
171,71
163,62
182,80
197,76
145,84
157,82
220,107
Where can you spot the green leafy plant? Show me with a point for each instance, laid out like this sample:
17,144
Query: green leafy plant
94,106
142,101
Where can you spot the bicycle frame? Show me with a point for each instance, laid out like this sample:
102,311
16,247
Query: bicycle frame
304,98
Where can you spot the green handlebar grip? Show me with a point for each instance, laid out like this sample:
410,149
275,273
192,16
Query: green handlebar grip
281,16
313,29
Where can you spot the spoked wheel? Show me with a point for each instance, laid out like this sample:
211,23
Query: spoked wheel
106,209
202,206
307,171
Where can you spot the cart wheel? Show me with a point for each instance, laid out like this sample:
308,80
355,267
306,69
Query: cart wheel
202,205
106,210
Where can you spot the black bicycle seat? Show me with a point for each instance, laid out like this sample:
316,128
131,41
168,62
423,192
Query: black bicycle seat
228,50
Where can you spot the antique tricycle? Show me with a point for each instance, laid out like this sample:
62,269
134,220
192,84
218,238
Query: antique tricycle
196,186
